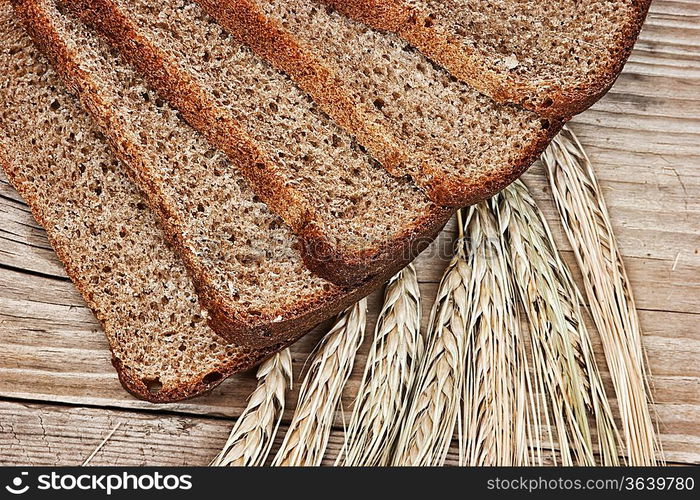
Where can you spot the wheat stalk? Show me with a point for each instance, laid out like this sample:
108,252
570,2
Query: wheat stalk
254,432
391,367
499,411
586,222
435,397
566,374
307,437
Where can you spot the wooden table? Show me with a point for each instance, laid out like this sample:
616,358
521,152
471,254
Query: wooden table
59,396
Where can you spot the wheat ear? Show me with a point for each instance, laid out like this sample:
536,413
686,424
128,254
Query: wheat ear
254,432
435,397
566,373
391,367
320,395
499,413
586,222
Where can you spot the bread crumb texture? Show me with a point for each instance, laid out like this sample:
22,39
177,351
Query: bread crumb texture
560,42
247,252
460,134
358,204
104,232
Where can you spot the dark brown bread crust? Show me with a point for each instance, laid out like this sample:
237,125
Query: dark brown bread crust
135,386
248,23
396,254
297,323
260,332
347,267
395,16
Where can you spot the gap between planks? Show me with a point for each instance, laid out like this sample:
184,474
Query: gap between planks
40,434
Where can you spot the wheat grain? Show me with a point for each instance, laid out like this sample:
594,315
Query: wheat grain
307,437
435,397
391,367
566,374
586,222
254,432
499,413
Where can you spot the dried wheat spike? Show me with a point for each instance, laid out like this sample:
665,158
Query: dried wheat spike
392,363
320,395
499,421
586,222
254,432
566,374
435,397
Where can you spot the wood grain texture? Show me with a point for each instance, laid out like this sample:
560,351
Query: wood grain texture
51,435
59,395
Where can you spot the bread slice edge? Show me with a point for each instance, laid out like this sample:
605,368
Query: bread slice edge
254,332
345,266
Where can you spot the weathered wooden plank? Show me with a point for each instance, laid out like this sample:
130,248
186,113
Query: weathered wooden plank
39,434
57,435
23,242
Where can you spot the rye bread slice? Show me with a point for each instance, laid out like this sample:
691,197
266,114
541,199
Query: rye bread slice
104,234
357,219
241,257
461,146
556,57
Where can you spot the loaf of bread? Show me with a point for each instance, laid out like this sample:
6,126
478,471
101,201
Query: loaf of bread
233,245
461,146
556,57
104,234
354,218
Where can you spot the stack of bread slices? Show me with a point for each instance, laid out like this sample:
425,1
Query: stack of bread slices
218,177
